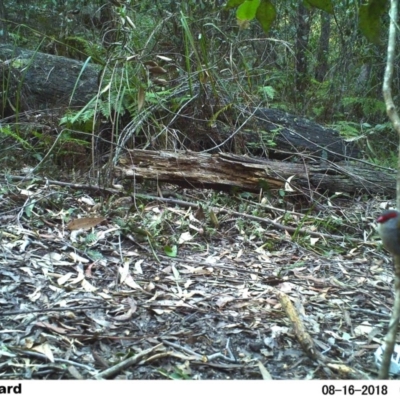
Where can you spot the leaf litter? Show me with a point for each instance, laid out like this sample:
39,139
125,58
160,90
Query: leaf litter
238,298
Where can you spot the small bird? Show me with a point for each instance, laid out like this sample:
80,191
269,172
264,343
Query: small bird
389,230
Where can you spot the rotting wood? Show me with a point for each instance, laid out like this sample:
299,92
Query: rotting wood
226,171
190,169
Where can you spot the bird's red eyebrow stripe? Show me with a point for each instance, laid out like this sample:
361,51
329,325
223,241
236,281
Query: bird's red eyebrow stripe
385,217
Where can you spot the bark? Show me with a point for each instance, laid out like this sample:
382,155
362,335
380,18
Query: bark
34,80
297,136
3,25
302,34
323,47
227,171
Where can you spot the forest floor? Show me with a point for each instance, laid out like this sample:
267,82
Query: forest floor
156,290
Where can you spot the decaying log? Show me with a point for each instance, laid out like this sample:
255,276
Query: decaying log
226,171
190,169
295,135
34,80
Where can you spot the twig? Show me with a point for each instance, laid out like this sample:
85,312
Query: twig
58,309
112,371
58,360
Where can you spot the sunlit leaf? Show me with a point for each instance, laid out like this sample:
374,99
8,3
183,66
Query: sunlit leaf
247,11
171,251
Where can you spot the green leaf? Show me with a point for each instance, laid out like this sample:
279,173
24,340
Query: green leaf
267,91
232,4
266,14
95,254
370,19
247,10
171,251
28,209
325,5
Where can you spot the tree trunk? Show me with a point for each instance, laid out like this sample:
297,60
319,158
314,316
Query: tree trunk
323,47
302,34
3,25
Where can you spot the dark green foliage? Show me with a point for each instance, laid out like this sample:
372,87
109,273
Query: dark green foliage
370,19
325,5
266,14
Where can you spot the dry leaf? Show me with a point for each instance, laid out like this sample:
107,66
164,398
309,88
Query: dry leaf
64,278
221,301
176,273
138,267
164,58
129,313
288,188
129,281
363,329
74,372
77,258
45,349
150,63
132,304
78,279
85,223
51,327
130,22
124,271
185,237
88,287
264,372
160,81
87,200
124,317
157,70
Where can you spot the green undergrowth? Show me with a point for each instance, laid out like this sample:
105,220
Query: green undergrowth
178,69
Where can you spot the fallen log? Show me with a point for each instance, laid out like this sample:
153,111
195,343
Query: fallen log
273,133
228,171
34,80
